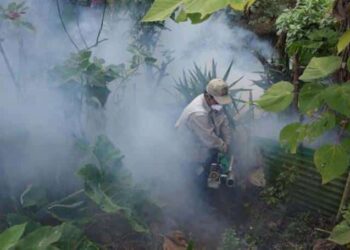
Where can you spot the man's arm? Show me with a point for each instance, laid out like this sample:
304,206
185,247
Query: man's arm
204,129
226,131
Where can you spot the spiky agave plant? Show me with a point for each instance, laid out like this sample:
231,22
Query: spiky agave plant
194,81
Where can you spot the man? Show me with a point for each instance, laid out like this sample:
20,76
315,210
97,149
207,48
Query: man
205,124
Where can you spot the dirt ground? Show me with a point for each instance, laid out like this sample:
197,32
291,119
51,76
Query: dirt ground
201,224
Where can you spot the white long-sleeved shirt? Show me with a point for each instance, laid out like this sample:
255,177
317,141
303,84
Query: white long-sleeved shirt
210,129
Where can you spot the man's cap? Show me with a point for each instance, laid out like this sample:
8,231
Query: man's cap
218,88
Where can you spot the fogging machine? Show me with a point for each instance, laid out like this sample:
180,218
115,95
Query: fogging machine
221,172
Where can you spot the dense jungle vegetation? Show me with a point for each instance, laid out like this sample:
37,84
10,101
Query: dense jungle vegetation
307,80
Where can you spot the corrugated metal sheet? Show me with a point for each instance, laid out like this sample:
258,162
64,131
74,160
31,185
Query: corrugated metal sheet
308,191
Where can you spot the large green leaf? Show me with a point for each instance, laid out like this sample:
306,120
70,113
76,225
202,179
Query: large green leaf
33,196
346,144
11,236
310,97
93,179
338,98
205,7
72,238
343,41
295,133
291,135
106,153
277,98
323,124
241,5
162,9
40,239
101,191
341,233
331,161
320,67
16,219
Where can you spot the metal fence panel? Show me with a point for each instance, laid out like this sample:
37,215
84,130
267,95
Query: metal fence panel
308,191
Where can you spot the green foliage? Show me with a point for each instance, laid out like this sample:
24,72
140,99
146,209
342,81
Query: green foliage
341,232
88,76
326,121
190,245
321,67
11,236
230,241
140,56
291,135
14,13
72,238
314,99
277,98
313,96
33,196
40,239
310,97
310,29
65,236
338,98
196,10
70,210
195,81
344,41
106,153
273,73
108,188
331,160
263,14
278,190
13,219
109,185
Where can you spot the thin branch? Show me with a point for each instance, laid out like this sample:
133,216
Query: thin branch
2,51
64,26
79,29
102,22
96,44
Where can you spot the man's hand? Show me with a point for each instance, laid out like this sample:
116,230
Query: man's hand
225,148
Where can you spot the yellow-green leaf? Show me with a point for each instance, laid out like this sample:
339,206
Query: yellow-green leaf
161,10
194,17
205,7
331,161
277,98
291,135
320,126
343,41
338,98
320,67
40,239
240,5
341,233
310,97
11,236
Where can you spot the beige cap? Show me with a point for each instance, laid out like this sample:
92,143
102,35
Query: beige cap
218,88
